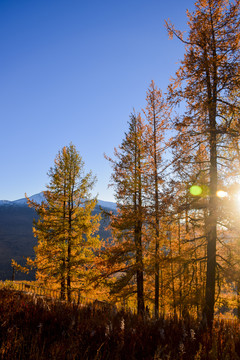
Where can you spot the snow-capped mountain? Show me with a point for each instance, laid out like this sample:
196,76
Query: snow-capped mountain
38,198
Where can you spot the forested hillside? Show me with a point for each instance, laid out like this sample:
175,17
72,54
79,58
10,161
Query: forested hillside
17,240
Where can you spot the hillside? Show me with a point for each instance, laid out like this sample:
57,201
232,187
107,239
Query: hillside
16,238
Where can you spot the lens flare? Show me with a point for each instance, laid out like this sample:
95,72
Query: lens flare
195,190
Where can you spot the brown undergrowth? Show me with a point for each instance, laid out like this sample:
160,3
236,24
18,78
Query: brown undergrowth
37,329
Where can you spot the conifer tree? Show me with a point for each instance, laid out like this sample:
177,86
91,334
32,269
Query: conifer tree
66,228
207,81
157,116
126,257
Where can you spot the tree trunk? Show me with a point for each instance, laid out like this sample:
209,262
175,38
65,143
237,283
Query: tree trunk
138,230
172,273
63,270
13,273
157,279
63,288
211,236
69,255
156,210
139,261
69,273
212,222
212,219
238,300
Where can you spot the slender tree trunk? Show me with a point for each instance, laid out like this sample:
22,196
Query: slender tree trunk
156,210
238,300
63,288
140,278
180,276
172,273
139,261
63,270
195,269
211,234
212,219
161,294
138,229
157,279
69,254
69,273
13,273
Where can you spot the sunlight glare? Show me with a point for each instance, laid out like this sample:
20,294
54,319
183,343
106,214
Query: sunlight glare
238,197
221,194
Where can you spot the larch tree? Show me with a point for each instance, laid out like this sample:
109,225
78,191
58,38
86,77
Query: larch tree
66,229
157,115
126,256
207,81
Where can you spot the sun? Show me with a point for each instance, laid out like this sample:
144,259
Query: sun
233,197
222,194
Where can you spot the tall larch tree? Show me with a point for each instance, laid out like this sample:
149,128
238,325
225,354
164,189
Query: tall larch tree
157,115
66,229
207,80
126,256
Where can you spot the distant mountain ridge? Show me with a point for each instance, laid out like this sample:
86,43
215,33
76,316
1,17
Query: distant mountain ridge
16,236
38,198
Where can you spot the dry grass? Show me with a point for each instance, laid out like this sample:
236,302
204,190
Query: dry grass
33,328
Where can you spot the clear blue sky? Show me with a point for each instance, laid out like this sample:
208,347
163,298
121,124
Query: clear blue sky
73,70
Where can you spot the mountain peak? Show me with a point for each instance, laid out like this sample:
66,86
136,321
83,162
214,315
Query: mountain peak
39,198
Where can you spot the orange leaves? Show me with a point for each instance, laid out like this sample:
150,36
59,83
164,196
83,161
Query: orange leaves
18,267
172,31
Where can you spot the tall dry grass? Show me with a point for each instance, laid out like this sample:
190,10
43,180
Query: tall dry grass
35,328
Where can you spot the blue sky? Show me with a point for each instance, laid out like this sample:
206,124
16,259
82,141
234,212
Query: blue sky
72,71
